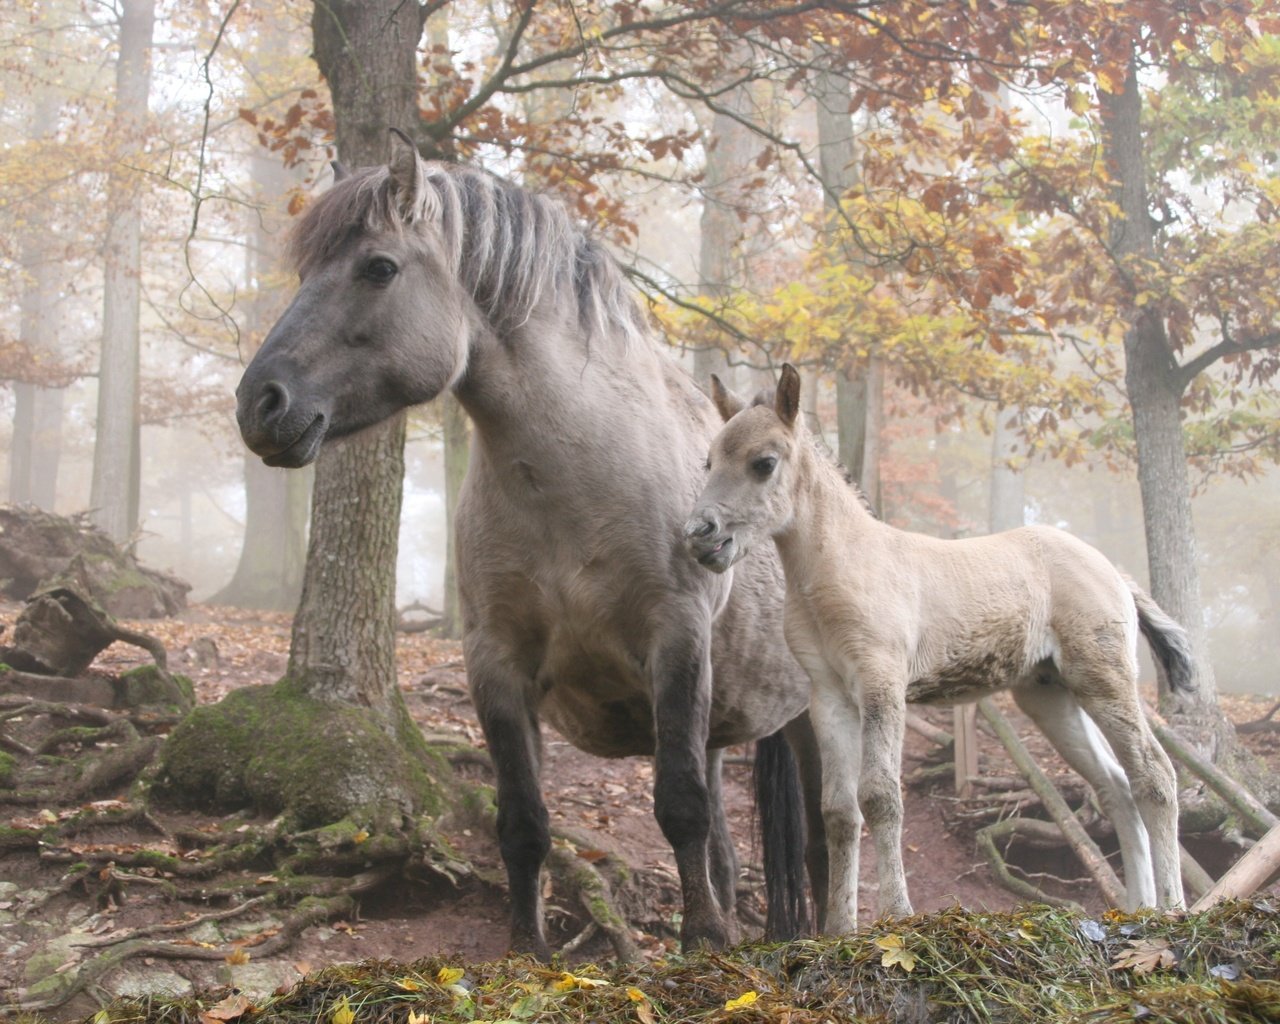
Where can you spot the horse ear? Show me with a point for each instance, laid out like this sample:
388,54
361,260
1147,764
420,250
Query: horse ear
726,402
786,402
406,171
339,172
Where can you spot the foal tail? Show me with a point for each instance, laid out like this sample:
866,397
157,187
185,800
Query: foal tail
1169,641
780,804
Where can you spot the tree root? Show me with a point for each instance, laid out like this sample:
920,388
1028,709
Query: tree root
990,836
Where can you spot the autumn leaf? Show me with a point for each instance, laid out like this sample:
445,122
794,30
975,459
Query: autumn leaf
743,1001
418,1018
568,982
342,1013
896,953
408,985
449,975
233,1007
238,956
1145,956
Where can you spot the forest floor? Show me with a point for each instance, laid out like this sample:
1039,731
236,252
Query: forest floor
221,649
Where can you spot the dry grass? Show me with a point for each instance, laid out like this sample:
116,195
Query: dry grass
1035,965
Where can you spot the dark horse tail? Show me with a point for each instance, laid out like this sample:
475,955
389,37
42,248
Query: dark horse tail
780,804
1169,641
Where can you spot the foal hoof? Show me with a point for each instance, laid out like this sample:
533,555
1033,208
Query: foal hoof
534,946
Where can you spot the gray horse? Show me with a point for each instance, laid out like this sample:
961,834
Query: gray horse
580,606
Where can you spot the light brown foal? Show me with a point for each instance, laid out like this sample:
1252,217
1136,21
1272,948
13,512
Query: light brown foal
880,617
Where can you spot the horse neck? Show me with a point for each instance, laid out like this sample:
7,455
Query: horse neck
828,513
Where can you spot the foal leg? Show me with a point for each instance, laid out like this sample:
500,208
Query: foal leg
515,745
837,724
1073,734
884,717
681,672
1110,697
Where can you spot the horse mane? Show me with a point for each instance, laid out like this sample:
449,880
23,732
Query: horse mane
508,246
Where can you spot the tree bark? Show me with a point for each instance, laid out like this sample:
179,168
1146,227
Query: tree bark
457,456
343,644
859,391
1008,492
114,493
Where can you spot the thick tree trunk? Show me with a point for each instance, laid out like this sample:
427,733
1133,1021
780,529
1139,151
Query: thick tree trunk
114,493
1007,508
1155,385
343,647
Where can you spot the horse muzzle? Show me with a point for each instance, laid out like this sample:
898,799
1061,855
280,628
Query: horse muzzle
709,543
273,425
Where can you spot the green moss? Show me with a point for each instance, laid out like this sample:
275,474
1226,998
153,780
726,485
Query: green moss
145,685
276,750
8,765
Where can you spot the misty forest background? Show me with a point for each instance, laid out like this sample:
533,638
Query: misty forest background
924,206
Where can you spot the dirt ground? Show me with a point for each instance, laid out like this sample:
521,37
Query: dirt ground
221,649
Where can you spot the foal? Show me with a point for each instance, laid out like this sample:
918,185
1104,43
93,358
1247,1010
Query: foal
880,617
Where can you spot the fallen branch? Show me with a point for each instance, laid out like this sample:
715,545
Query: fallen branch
1249,807
1084,848
1263,724
1019,828
1248,874
928,730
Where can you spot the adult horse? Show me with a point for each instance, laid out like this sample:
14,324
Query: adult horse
579,604
879,617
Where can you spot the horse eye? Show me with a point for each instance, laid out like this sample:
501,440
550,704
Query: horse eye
764,465
379,270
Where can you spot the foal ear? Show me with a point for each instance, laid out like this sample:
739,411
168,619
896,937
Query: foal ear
726,402
786,403
406,172
339,172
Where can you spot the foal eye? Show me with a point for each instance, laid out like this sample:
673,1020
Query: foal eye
764,465
379,270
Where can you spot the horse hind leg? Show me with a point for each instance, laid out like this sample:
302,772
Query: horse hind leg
723,858
1080,743
880,786
804,744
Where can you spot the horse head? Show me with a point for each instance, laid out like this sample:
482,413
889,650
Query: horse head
750,471
380,320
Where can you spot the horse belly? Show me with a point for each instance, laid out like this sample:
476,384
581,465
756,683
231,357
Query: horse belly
990,660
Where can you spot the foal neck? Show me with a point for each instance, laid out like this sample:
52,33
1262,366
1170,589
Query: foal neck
826,506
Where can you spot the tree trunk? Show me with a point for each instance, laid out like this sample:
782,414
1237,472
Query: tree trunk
269,572
859,393
343,645
730,146
1007,509
1155,387
457,455
114,493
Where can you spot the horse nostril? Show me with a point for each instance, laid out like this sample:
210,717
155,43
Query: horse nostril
274,402
698,529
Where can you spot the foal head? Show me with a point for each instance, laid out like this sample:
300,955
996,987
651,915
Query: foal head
751,473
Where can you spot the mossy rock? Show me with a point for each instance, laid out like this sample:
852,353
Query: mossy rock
146,686
277,751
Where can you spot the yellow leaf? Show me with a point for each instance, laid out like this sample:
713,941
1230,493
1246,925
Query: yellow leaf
568,982
418,1018
342,1013
449,975
408,985
237,956
1030,932
743,1001
636,996
895,953
360,837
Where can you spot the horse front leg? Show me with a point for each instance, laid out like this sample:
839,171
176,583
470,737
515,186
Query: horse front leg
882,698
681,800
524,833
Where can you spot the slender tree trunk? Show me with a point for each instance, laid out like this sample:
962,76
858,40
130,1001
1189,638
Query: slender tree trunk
859,394
457,456
343,645
1008,492
730,147
114,493
269,572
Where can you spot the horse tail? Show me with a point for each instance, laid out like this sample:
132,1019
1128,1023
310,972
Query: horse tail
780,805
1169,641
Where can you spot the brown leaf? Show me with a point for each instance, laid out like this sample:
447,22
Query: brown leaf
233,1007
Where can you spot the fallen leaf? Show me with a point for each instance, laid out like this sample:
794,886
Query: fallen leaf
895,953
568,982
1145,956
342,1013
238,956
592,856
743,1001
449,975
233,1007
408,985
418,1018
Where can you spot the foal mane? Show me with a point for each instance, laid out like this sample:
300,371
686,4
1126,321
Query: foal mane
511,248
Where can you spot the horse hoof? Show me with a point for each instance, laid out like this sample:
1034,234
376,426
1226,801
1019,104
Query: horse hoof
709,936
534,946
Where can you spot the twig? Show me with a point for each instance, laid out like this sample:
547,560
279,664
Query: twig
1009,829
1084,847
1239,799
